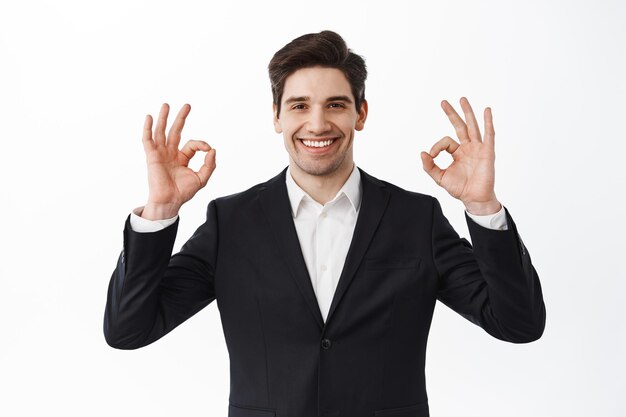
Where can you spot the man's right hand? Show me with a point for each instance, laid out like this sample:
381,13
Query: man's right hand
171,182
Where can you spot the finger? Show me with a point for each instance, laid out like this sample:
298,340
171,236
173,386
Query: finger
457,122
173,136
446,143
147,133
205,171
193,146
472,125
490,133
159,131
431,168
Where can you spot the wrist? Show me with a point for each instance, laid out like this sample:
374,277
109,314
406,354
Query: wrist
155,211
483,208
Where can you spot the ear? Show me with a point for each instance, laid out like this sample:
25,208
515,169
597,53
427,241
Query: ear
360,121
277,127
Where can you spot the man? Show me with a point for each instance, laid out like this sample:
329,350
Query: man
325,277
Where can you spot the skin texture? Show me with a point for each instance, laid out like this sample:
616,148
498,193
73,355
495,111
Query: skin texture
317,105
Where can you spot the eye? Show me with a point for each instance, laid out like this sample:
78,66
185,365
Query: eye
298,107
336,105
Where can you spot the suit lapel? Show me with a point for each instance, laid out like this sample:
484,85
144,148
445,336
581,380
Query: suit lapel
275,203
277,209
374,201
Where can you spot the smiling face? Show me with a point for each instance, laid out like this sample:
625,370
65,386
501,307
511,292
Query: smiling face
318,119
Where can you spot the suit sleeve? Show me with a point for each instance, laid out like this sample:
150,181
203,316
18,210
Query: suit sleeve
493,284
149,293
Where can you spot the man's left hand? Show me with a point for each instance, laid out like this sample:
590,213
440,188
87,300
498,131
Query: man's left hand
471,175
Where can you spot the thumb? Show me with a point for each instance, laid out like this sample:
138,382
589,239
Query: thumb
428,163
205,171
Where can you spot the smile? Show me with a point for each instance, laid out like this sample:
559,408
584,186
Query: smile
317,143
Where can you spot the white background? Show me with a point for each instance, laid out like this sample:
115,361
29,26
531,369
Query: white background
77,78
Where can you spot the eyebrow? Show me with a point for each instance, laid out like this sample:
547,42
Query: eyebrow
296,99
307,98
340,98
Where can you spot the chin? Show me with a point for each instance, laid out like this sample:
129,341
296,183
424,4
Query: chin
320,170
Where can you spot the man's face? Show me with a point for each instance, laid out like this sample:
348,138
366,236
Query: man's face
318,119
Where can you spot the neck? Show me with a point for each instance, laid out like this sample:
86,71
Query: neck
321,188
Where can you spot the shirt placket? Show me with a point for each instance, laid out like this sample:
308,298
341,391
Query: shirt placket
323,248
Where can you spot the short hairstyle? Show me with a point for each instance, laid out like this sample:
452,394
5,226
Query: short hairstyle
325,49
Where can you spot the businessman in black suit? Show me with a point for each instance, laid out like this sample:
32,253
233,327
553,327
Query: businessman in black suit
325,277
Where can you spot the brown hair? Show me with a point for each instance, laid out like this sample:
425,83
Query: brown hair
326,49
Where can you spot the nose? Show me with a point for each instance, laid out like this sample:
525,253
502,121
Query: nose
317,123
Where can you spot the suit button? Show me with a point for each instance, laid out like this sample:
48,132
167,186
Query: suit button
326,344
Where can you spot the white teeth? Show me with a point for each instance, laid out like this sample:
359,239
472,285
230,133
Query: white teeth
317,143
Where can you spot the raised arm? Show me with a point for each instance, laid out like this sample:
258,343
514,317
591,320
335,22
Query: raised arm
150,293
491,282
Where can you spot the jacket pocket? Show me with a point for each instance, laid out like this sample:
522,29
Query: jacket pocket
409,263
238,411
417,410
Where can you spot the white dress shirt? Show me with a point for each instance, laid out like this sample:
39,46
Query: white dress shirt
324,231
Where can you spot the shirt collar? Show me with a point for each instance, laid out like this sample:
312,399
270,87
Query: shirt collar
351,189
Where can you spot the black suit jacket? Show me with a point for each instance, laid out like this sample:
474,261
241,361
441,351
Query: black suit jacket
368,358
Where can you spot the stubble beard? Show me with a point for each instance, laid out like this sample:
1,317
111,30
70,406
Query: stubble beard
320,168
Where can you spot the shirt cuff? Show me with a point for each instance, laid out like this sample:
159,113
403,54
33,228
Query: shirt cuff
141,225
496,221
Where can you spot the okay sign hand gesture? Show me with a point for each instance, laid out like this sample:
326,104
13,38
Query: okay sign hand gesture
471,175
171,182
